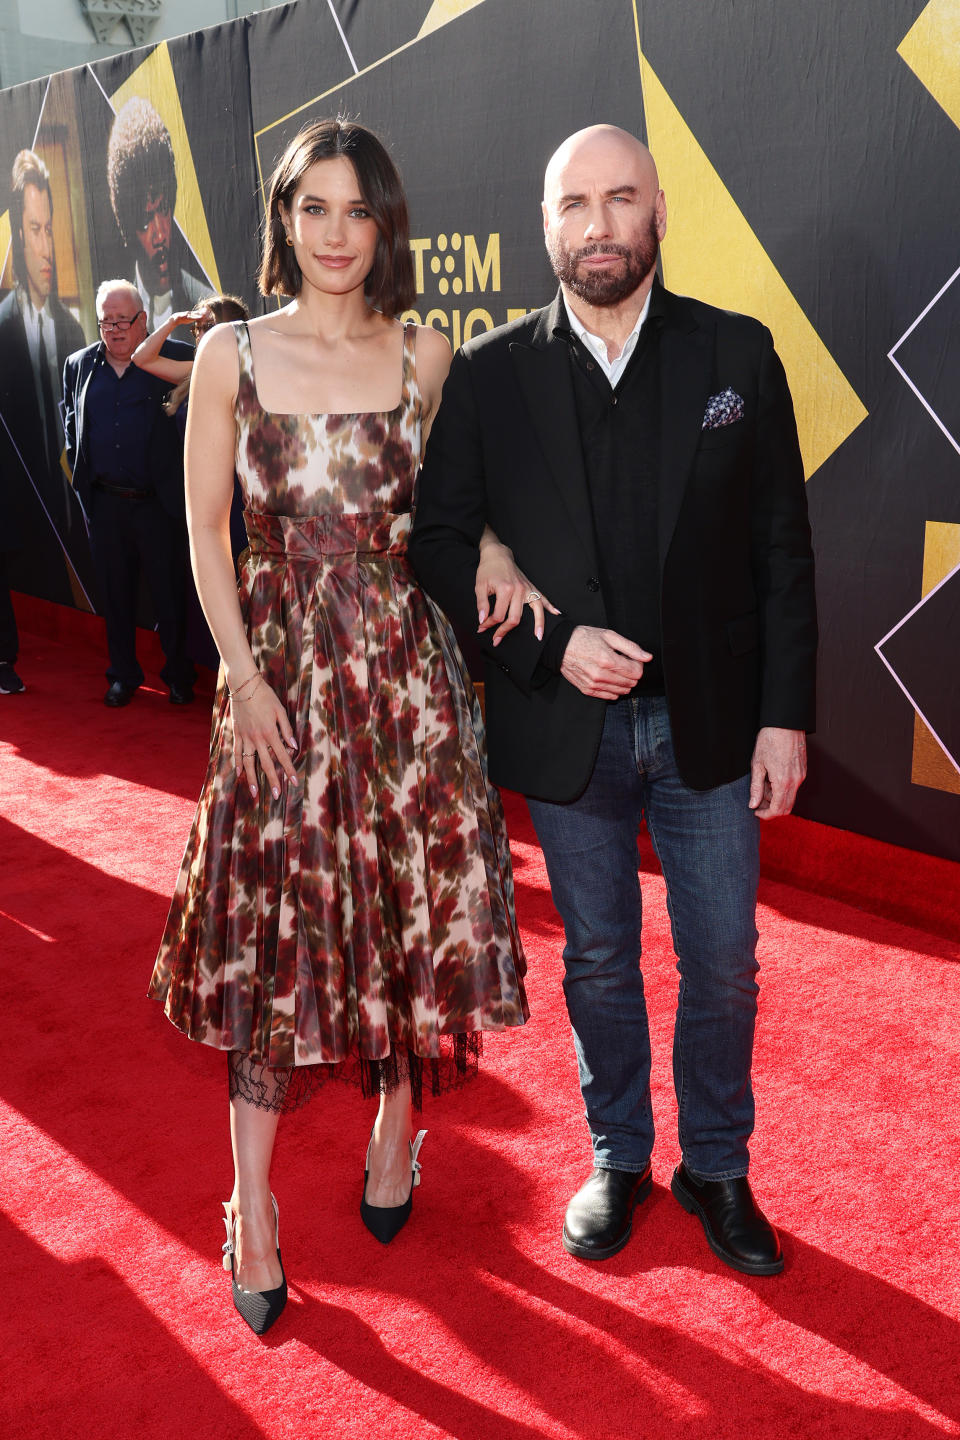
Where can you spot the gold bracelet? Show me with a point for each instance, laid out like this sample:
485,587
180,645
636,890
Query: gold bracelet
255,676
246,698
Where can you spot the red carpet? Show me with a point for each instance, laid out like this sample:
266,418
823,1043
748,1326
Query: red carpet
474,1323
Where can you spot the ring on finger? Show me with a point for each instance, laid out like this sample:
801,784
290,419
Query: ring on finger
534,595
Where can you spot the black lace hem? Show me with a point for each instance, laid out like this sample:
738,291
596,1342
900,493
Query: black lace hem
291,1087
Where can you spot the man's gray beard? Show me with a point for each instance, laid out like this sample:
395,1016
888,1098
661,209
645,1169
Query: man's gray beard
603,288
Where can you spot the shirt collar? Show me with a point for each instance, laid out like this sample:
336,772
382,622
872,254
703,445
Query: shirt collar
28,309
598,345
567,323
36,323
153,303
654,308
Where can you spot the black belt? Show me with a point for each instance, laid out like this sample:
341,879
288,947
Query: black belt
125,492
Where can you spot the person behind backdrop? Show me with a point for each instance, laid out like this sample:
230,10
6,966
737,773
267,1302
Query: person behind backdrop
345,904
149,356
213,310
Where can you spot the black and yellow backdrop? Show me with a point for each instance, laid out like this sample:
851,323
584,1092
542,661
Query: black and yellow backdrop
809,155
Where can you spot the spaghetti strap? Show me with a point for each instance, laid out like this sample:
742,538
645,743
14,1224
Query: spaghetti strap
244,353
241,329
411,389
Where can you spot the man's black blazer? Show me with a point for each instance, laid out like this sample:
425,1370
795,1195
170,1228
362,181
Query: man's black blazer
23,427
165,450
739,625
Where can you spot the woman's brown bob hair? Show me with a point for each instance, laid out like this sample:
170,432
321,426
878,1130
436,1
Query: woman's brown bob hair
390,284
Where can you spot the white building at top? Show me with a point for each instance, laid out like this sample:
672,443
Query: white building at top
39,37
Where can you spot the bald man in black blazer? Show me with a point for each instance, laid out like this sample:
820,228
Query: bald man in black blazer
638,453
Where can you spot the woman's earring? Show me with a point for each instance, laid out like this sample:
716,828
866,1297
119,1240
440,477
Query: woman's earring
289,242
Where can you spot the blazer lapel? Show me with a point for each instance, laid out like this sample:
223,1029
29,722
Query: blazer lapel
90,363
543,374
686,373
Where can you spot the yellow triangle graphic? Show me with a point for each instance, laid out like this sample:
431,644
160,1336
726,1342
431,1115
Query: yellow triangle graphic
931,765
712,253
941,553
441,12
931,47
154,81
5,244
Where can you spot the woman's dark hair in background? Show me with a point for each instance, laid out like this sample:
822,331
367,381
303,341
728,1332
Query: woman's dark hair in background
390,285
223,308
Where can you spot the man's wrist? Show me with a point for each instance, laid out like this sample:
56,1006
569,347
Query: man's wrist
554,648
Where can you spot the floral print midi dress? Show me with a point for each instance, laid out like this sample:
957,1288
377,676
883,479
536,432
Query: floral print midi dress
368,912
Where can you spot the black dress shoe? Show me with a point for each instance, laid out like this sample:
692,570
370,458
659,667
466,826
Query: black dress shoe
736,1228
181,694
599,1218
10,682
119,694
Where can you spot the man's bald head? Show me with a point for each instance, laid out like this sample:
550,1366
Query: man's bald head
604,216
603,143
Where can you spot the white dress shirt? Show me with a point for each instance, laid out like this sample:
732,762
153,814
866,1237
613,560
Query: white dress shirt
613,369
33,322
159,308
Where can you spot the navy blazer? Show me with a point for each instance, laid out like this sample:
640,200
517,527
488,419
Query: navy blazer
739,629
165,464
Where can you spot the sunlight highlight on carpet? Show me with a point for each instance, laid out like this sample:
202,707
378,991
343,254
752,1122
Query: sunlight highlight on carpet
474,1324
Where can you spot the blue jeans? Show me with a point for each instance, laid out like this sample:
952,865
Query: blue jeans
706,841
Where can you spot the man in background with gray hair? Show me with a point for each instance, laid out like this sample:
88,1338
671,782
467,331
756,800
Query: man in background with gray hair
128,475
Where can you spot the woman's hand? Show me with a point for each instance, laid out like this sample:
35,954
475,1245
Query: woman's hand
499,578
261,731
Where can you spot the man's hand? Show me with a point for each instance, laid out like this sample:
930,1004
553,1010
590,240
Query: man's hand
602,663
777,771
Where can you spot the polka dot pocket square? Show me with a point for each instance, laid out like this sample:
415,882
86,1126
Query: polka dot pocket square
722,409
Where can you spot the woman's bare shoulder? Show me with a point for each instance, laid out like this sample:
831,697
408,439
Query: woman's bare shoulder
269,321
433,345
433,358
217,363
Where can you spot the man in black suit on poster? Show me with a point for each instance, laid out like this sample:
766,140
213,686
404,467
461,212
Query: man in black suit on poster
638,452
127,466
37,333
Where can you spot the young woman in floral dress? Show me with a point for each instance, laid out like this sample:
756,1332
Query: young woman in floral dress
345,905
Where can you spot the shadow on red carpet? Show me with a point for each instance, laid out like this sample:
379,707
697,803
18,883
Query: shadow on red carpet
474,1324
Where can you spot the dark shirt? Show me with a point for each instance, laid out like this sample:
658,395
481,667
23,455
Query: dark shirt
119,414
619,435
